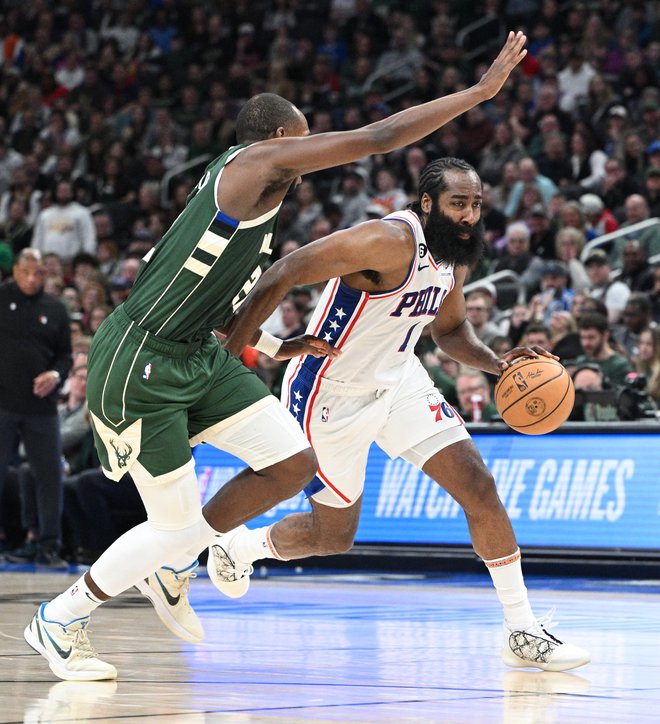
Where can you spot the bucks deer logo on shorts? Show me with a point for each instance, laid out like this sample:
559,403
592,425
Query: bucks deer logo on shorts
122,450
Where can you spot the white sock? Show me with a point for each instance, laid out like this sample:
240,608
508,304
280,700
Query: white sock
76,602
508,580
252,545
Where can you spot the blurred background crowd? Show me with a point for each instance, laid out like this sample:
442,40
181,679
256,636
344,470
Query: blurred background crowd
111,109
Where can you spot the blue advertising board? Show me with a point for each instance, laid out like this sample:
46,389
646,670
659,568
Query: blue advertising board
583,490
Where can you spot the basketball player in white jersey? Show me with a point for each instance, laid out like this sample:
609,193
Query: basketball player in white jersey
388,279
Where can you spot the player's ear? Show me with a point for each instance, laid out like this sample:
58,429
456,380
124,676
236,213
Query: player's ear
426,203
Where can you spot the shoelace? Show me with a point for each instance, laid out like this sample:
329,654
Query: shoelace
546,622
226,567
81,644
182,581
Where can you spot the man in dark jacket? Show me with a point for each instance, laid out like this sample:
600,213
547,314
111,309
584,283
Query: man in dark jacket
36,357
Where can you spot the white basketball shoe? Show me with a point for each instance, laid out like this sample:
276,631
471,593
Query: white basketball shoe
67,648
167,590
229,575
536,647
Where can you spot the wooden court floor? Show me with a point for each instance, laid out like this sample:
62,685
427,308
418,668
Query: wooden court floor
332,648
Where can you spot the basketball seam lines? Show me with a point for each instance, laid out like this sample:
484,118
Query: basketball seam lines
534,390
540,419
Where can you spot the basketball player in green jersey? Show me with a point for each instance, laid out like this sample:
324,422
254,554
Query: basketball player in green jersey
159,381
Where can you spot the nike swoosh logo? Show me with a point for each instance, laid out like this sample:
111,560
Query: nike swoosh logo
61,652
422,266
172,600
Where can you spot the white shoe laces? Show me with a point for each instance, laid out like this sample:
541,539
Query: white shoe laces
547,620
82,645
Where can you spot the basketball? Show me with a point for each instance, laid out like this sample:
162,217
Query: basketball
534,395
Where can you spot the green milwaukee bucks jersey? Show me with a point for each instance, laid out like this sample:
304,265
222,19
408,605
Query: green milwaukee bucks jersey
204,266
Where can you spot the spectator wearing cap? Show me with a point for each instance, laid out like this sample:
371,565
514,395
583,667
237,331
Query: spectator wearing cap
617,125
651,191
518,258
600,220
120,288
613,293
529,174
636,209
555,295
595,341
569,243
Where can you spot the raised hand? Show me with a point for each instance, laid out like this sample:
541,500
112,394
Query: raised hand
509,57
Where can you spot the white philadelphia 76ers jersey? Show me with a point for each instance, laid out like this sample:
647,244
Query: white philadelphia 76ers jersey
377,331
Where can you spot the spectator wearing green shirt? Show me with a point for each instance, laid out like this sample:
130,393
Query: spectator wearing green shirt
594,337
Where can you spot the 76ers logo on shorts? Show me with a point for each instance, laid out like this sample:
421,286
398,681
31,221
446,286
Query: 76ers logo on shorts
325,414
439,407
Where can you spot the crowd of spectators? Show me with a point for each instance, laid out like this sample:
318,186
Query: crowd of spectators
110,110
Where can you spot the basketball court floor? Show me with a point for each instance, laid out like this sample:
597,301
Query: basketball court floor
343,648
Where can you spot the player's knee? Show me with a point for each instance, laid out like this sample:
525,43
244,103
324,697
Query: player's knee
295,472
174,540
483,495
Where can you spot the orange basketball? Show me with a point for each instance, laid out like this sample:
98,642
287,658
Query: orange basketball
534,395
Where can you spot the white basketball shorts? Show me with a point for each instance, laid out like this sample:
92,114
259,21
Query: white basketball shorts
341,423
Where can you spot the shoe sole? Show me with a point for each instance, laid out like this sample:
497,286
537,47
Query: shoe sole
231,589
165,616
60,671
510,659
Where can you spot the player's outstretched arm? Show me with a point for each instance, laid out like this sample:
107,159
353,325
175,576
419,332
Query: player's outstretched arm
376,245
301,155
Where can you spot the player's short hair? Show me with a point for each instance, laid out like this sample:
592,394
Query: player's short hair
433,179
262,115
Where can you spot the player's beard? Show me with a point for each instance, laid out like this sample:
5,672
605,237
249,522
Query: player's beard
444,240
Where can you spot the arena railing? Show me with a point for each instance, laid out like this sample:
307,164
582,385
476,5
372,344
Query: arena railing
509,286
607,239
